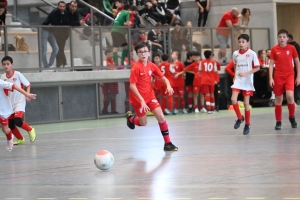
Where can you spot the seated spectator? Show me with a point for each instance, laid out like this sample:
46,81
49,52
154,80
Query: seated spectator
173,7
165,15
138,35
268,53
261,54
154,37
150,14
196,46
178,38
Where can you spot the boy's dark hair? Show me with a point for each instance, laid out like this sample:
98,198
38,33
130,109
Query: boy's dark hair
7,58
268,50
126,7
120,1
156,55
178,54
165,57
196,53
260,52
141,45
61,2
283,31
133,8
2,6
189,54
207,54
107,51
158,24
245,37
290,36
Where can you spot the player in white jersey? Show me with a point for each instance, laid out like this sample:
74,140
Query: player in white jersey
18,101
6,109
245,64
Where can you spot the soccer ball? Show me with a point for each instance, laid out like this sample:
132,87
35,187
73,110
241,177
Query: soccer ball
104,160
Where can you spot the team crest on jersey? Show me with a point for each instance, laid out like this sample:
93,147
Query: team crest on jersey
287,52
14,79
150,72
247,55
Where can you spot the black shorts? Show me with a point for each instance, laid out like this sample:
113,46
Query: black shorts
118,39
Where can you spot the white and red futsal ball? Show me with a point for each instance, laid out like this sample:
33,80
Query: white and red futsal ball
104,160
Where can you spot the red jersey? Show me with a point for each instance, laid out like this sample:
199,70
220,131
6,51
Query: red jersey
141,75
208,67
194,67
217,77
108,62
230,69
283,59
174,69
222,23
131,18
163,67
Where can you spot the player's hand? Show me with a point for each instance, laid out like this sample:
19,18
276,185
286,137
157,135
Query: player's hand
243,74
297,81
207,8
28,99
81,22
169,90
271,82
201,9
176,75
144,106
31,96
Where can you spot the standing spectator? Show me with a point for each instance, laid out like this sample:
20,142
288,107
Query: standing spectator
154,37
203,11
106,6
2,14
178,39
73,14
296,45
228,20
244,17
120,6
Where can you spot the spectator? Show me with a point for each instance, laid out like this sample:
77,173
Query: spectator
261,54
178,39
165,15
203,11
228,20
196,46
268,53
138,35
173,7
73,14
59,17
260,77
230,69
2,15
244,17
154,37
4,3
120,6
106,6
150,14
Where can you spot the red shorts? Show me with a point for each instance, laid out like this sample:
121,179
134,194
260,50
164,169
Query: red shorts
196,88
18,114
207,89
178,90
244,92
151,104
4,122
283,83
189,88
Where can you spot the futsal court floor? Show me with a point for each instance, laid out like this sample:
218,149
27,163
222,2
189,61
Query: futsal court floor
214,161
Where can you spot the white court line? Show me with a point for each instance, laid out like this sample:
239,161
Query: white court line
256,198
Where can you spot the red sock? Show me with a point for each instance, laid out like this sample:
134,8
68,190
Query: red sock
176,102
135,120
278,112
237,111
291,108
9,135
26,127
164,103
164,131
170,102
202,106
207,102
190,102
247,116
17,133
195,106
182,102
212,103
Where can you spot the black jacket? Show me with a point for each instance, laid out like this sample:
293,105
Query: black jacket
296,45
73,17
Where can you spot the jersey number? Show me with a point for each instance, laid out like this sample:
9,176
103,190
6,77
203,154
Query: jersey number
208,67
163,71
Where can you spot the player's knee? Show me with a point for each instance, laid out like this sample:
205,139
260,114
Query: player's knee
233,101
143,123
18,122
11,124
5,129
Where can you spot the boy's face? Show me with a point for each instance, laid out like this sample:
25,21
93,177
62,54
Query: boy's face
263,55
174,56
196,58
243,44
143,54
2,11
269,53
282,39
156,60
118,4
7,66
61,7
109,55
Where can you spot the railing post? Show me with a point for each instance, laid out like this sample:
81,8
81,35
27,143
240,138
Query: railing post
71,48
191,40
15,8
5,41
100,48
40,43
129,47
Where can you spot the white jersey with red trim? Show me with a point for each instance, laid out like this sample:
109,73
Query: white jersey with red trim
5,104
244,62
18,100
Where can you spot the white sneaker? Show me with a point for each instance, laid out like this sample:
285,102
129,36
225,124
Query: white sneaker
196,110
10,144
166,111
209,112
203,110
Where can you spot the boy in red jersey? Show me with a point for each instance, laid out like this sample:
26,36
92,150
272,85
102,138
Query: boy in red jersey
208,67
18,101
246,63
194,68
109,90
284,57
177,81
164,66
142,95
189,78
